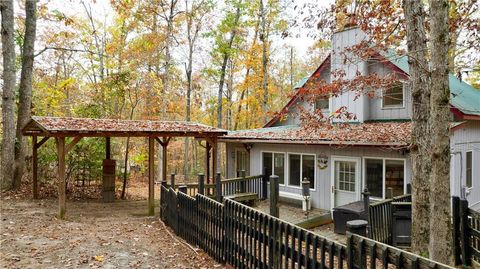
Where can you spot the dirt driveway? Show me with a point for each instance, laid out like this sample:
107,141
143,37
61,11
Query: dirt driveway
94,235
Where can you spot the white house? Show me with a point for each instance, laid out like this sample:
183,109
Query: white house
370,151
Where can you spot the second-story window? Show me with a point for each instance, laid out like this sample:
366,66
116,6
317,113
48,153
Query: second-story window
322,104
393,96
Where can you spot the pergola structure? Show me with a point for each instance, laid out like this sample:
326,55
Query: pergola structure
62,128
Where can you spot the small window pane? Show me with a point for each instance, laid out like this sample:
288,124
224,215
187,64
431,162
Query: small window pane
394,176
267,163
374,177
345,176
279,167
469,169
393,97
294,168
308,169
321,104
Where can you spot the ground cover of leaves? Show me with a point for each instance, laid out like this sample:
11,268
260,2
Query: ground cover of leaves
94,235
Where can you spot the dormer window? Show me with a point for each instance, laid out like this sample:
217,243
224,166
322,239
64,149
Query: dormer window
322,104
393,97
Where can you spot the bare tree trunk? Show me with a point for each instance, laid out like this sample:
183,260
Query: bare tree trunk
25,102
440,247
419,82
264,38
8,101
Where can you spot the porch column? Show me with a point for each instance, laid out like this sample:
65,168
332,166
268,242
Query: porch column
207,161
164,158
62,205
151,176
214,156
35,167
107,148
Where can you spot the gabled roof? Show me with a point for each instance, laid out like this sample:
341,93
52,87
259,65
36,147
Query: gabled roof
64,126
465,99
383,134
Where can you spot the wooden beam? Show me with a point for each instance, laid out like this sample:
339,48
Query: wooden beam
62,205
207,161
164,157
39,144
35,166
107,148
72,143
151,176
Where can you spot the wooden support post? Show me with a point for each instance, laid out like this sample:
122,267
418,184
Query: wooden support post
264,186
164,158
243,183
201,184
208,147
218,188
366,206
214,157
172,180
274,194
457,250
107,148
35,167
464,234
62,204
151,176
182,189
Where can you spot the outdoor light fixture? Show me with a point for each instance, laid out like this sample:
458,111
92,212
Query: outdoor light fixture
306,196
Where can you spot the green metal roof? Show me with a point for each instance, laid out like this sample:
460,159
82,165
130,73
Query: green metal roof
301,82
463,96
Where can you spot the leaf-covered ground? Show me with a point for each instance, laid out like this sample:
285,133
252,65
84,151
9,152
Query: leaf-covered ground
94,235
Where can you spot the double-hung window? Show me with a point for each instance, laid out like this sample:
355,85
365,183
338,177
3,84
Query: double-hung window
300,167
393,97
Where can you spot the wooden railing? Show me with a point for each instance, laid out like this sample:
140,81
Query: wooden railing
254,184
380,218
466,233
243,237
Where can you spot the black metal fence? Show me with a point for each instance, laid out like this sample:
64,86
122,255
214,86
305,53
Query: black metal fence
243,237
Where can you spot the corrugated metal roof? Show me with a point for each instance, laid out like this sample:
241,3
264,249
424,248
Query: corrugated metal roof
463,96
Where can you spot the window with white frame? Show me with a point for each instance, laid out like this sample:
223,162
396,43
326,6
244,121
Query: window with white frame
322,104
301,166
393,96
384,174
345,175
469,169
274,164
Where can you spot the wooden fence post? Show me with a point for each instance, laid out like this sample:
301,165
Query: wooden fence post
218,187
182,189
201,184
350,253
172,181
163,213
456,230
366,206
274,196
464,234
264,186
243,183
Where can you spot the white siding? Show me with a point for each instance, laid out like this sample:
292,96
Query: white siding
374,104
464,139
321,196
351,65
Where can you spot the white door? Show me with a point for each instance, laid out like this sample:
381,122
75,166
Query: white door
345,181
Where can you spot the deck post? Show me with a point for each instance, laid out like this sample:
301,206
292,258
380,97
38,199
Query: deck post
214,157
62,204
208,147
274,192
172,181
151,176
218,187
201,184
243,183
164,158
35,167
264,184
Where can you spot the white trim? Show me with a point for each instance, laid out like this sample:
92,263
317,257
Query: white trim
358,175
384,168
396,106
473,161
287,176
291,195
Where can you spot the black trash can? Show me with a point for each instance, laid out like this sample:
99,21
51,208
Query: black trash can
345,213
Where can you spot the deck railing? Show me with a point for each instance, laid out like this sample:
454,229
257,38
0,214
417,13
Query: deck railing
254,184
380,218
243,237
